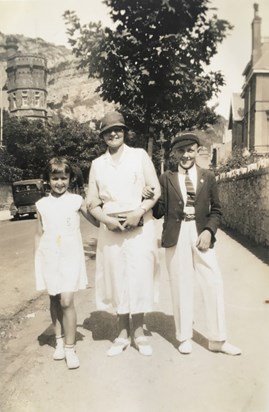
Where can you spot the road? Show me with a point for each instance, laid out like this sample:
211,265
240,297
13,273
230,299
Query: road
166,382
17,275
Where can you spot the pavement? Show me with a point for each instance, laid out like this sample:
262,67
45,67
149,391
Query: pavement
5,215
167,381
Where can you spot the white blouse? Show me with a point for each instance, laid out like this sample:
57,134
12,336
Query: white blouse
119,185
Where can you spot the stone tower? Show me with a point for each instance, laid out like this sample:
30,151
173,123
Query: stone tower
26,82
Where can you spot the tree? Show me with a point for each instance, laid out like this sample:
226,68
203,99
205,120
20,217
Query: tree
8,171
153,64
79,143
28,142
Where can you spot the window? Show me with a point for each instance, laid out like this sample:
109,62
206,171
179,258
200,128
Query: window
24,98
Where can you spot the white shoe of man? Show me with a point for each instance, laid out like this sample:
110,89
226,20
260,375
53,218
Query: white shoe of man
224,347
185,347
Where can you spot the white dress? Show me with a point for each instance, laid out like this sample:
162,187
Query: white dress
59,259
126,262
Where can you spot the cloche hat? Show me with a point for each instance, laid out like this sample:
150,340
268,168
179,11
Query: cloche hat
112,119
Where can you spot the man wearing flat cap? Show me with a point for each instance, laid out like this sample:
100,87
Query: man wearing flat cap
190,205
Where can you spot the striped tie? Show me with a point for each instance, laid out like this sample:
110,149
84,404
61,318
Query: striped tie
190,190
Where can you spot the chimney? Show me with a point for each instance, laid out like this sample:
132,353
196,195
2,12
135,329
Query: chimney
256,35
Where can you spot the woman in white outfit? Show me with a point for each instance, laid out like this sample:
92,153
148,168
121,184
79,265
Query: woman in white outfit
126,258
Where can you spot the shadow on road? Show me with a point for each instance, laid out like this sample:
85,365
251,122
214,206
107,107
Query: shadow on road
48,337
103,325
164,325
21,218
261,252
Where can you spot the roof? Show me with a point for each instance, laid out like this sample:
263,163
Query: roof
236,109
263,62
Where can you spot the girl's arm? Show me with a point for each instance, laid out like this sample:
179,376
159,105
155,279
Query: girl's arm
84,211
39,230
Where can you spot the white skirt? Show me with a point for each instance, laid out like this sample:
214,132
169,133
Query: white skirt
127,269
60,264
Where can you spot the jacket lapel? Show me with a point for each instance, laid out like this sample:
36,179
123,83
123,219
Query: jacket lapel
173,177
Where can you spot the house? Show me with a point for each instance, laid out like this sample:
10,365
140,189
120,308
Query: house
255,96
235,123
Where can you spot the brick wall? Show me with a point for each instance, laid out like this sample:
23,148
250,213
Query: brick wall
244,195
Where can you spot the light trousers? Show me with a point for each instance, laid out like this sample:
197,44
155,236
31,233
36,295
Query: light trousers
185,263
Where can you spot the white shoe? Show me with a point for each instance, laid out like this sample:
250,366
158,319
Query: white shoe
119,345
59,352
144,348
185,347
224,347
71,358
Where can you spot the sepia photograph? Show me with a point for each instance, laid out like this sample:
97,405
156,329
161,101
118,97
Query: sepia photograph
134,205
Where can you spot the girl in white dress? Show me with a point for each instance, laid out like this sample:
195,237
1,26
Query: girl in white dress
59,258
126,257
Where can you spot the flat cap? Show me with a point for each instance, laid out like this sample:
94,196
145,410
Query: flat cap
185,139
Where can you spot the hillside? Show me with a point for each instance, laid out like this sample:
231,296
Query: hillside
54,54
70,92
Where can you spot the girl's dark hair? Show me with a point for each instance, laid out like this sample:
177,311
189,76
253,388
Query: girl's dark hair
58,165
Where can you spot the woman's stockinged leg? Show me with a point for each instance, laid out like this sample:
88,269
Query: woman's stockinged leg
69,317
122,341
140,340
123,325
138,322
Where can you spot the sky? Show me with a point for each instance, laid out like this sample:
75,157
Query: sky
43,18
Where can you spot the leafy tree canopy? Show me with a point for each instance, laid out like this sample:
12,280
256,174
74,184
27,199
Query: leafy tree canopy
77,142
8,171
154,62
30,144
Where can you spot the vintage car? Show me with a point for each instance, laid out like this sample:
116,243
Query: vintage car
25,194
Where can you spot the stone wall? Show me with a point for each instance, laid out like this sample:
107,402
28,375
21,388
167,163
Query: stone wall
244,195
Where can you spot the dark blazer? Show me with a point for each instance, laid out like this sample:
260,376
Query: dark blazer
171,204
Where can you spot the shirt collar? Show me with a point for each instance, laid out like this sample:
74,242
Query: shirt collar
191,171
59,197
107,155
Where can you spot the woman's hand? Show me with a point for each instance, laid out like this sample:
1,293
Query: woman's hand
148,192
133,218
113,224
